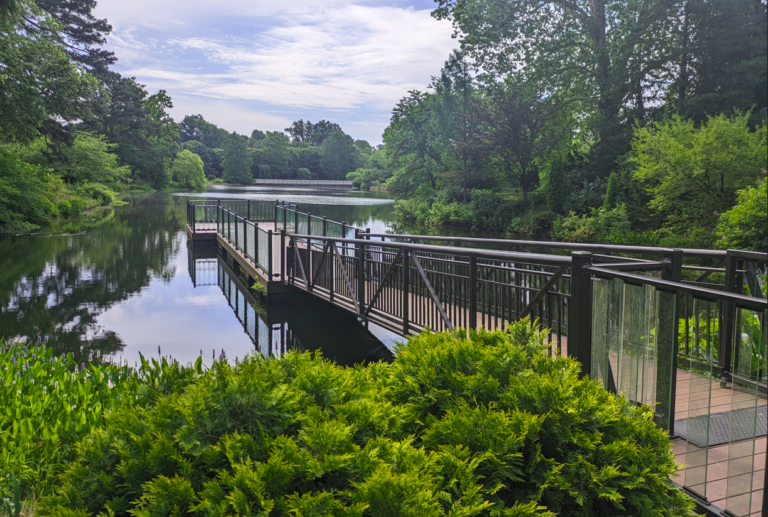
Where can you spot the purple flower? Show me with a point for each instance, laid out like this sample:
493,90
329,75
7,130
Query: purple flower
46,339
50,361
213,356
64,356
34,357
82,367
15,363
158,349
72,355
201,351
39,340
223,355
18,374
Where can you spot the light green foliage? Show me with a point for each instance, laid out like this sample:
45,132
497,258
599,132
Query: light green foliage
188,171
338,156
50,403
275,154
258,289
692,173
26,193
603,225
236,161
90,158
477,426
745,226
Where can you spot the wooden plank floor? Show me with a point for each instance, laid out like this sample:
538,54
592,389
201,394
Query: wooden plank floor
730,476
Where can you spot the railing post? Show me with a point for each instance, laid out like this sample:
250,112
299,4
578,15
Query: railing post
236,239
733,284
277,201
361,277
473,292
282,254
667,344
249,209
580,311
325,226
343,229
406,291
269,255
256,244
296,220
245,241
309,249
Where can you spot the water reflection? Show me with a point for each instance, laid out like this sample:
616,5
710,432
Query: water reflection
298,323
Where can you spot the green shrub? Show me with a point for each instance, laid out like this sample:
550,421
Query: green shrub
25,194
98,192
745,226
50,403
484,425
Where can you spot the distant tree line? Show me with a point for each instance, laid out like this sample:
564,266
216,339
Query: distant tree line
303,151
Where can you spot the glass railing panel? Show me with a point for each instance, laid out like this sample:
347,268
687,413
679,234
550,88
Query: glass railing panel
263,250
738,421
250,241
697,384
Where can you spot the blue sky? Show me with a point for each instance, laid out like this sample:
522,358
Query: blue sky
263,64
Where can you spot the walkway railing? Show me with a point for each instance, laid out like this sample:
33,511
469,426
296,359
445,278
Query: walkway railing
255,243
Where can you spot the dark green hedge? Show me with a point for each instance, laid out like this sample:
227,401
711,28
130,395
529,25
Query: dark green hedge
488,425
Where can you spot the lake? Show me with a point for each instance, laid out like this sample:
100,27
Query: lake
125,286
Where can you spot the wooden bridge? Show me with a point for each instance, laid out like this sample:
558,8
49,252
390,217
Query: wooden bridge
669,328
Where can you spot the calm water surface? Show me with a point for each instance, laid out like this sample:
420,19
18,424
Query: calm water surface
130,285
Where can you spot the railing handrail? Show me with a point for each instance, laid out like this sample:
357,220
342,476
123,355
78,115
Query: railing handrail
526,258
753,256
742,301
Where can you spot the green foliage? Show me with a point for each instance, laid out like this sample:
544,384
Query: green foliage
50,403
258,289
90,158
745,225
488,424
237,162
188,171
603,225
338,156
26,194
692,173
556,185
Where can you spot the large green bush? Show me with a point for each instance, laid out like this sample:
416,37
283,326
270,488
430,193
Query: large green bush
485,425
745,226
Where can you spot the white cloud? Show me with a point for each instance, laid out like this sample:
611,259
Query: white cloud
351,62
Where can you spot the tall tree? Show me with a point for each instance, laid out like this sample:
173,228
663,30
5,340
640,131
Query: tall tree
607,54
338,156
237,162
519,136
457,120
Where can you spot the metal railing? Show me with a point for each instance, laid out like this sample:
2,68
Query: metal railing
202,214
255,243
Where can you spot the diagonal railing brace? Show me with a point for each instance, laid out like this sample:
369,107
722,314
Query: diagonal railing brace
382,282
544,290
432,292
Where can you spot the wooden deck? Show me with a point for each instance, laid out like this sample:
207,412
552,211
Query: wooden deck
730,475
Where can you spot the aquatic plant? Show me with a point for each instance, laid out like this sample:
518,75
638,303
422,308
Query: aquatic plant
487,424
48,403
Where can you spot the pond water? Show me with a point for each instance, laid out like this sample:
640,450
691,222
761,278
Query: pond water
131,285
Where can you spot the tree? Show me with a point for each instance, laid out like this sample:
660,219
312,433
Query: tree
195,127
237,162
140,125
607,55
275,153
519,136
721,55
457,124
211,162
187,170
692,173
556,185
338,156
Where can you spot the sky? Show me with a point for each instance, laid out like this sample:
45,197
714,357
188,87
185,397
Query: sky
262,64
